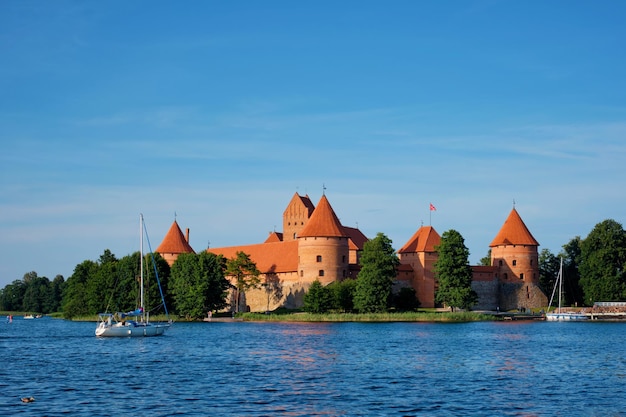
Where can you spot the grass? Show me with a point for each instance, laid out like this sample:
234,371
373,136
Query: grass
419,316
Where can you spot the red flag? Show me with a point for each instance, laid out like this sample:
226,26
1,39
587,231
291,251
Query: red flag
432,208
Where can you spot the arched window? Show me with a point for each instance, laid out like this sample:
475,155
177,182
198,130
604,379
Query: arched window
514,262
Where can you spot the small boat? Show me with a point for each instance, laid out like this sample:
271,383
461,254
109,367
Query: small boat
558,314
28,316
133,323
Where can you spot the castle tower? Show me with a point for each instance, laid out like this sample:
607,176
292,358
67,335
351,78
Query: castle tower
174,243
514,251
323,251
296,216
515,258
419,252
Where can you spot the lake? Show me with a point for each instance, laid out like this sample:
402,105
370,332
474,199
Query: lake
313,369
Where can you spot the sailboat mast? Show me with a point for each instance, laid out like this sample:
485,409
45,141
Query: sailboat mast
560,283
141,266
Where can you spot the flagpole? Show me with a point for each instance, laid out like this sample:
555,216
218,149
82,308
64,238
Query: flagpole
431,208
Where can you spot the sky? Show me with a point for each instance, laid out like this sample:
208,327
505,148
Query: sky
216,113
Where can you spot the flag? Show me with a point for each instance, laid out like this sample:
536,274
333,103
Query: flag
432,208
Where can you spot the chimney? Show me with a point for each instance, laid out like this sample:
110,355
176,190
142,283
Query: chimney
187,235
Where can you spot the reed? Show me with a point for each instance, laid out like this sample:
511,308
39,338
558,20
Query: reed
452,317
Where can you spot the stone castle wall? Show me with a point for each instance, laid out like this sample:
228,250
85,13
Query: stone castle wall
487,292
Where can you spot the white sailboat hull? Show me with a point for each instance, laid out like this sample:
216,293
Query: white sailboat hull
130,330
559,315
566,316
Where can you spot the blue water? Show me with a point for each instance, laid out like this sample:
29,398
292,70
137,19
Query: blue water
340,369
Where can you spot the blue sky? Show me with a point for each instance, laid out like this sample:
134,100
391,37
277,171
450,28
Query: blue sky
221,111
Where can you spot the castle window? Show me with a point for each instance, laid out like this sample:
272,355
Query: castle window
514,262
343,258
295,235
321,273
505,276
301,273
500,262
531,262
319,258
521,276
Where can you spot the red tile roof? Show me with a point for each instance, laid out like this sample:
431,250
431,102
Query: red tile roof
297,202
269,257
274,237
357,238
514,232
424,240
323,222
174,241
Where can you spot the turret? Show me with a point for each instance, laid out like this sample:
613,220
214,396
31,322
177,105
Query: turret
514,251
323,250
174,243
419,252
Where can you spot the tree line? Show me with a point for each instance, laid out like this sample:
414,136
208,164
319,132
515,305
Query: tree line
594,268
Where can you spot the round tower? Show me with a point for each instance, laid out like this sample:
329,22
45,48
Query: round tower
514,251
174,243
323,250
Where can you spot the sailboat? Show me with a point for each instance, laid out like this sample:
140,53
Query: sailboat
559,315
133,323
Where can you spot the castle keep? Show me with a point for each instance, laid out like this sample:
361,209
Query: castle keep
315,245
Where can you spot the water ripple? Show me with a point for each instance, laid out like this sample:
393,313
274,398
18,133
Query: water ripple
317,369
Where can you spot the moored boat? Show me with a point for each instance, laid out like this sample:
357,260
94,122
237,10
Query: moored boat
134,323
559,314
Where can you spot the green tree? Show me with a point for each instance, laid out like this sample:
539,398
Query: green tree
379,265
55,294
318,299
101,284
486,260
548,270
36,293
603,263
571,259
245,274
343,294
75,293
197,284
153,299
406,300
13,296
453,272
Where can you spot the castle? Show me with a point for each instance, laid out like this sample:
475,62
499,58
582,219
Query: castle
314,245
